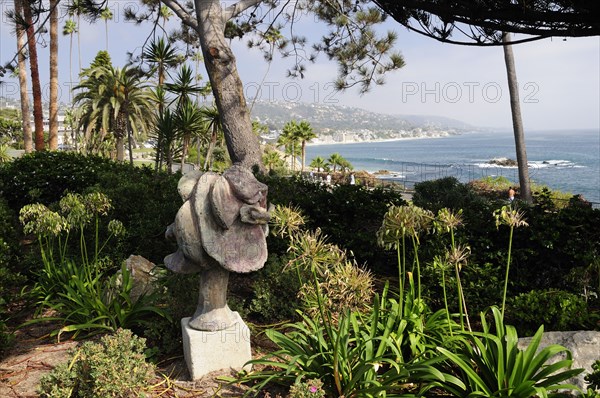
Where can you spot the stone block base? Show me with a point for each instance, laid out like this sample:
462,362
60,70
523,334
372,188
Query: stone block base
206,351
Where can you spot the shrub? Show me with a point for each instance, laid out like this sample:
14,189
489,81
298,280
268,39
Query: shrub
555,309
348,214
446,192
113,367
593,379
11,279
144,200
45,176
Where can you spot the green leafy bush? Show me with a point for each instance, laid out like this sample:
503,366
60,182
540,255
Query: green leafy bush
446,192
113,367
46,176
593,379
11,279
145,201
555,309
348,214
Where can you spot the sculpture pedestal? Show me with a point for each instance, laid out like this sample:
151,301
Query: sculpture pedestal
207,351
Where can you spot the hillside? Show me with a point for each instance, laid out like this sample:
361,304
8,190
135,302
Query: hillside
341,123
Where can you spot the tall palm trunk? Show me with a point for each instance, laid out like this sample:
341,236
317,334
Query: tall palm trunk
38,115
79,41
106,32
25,117
515,108
71,67
129,138
53,106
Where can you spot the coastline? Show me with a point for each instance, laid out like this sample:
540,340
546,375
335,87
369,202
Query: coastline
381,140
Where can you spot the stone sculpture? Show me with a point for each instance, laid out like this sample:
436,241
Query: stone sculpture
220,228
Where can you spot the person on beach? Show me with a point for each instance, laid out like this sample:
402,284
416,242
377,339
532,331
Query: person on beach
328,179
511,194
352,180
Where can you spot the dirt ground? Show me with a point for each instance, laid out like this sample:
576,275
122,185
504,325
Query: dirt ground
34,354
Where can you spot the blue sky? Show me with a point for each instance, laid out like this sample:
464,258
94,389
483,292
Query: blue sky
559,79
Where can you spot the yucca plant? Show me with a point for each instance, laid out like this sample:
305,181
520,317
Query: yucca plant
490,364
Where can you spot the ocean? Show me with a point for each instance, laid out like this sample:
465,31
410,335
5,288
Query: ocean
567,161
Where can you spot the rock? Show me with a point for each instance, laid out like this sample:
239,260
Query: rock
504,162
142,273
584,345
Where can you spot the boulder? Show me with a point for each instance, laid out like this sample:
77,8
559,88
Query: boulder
142,273
584,345
504,162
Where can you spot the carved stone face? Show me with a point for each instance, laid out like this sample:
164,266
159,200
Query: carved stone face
223,221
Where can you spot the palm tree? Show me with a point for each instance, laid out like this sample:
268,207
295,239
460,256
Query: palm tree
70,28
70,122
272,160
335,159
345,165
38,115
77,8
304,133
288,139
188,123
515,108
318,163
165,14
213,124
106,15
165,128
117,100
22,72
161,55
183,86
53,103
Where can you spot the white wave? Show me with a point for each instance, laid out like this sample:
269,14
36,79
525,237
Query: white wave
558,163
488,165
535,164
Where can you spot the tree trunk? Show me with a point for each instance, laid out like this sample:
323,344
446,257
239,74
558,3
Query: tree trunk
53,106
242,144
184,150
38,115
129,138
26,121
120,148
303,154
71,69
515,107
211,147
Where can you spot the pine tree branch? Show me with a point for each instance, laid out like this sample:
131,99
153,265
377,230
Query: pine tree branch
187,18
236,9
